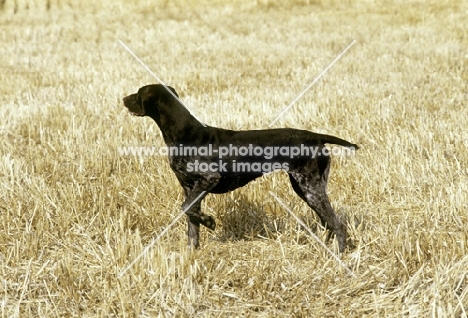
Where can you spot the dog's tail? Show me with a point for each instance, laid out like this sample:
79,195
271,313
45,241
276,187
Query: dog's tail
327,139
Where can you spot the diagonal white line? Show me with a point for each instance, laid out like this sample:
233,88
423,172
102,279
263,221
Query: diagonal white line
157,78
160,235
311,84
314,236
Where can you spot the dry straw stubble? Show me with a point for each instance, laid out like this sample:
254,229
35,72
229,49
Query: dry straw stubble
74,212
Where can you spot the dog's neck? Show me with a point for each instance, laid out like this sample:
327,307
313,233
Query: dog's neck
176,123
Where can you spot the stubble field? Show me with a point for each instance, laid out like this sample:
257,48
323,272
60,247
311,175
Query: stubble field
75,213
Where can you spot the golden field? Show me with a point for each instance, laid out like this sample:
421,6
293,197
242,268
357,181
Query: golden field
75,213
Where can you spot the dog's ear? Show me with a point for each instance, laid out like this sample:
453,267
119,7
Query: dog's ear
147,99
173,90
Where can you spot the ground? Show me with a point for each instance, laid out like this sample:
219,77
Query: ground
75,212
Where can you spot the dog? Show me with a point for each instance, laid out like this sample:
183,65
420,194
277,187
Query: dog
207,159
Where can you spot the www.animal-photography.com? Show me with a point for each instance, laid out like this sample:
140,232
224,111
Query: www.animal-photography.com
211,158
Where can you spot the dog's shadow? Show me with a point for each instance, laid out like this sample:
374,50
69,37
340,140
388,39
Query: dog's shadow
240,218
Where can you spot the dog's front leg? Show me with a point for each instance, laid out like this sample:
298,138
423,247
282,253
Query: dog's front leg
195,192
192,208
193,232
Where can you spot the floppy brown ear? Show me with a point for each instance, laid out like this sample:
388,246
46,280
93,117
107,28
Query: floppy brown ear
146,100
173,90
149,103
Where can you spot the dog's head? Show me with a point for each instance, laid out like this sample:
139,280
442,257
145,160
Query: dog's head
145,102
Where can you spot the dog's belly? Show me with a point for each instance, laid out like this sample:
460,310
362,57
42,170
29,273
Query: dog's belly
231,182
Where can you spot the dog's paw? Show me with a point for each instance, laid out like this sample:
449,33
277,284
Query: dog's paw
350,244
209,222
193,244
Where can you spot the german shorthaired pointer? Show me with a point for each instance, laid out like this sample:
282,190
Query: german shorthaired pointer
207,159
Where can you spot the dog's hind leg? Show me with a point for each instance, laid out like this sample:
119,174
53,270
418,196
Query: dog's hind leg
312,188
